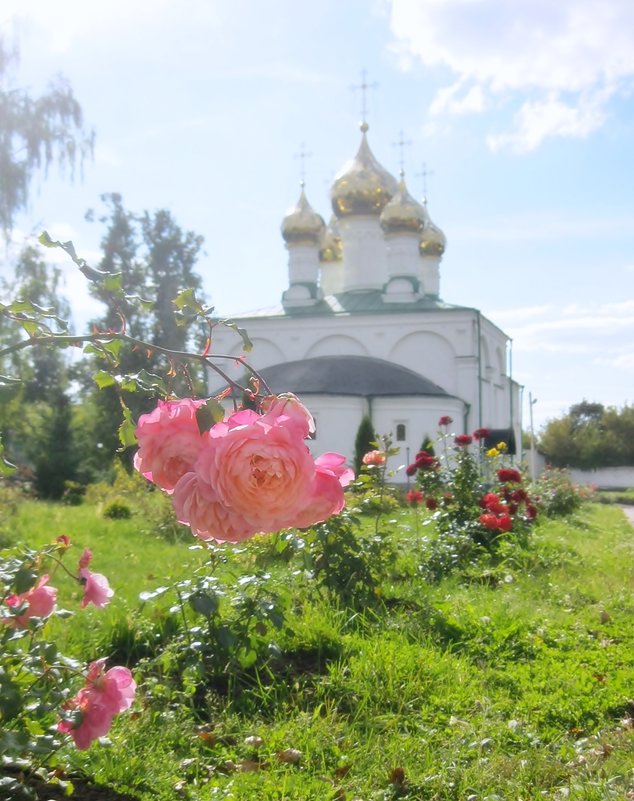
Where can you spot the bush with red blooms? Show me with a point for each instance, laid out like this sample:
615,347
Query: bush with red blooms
466,494
35,678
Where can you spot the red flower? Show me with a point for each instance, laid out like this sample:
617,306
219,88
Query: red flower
509,474
445,420
531,511
496,522
492,503
414,497
431,503
481,433
424,461
463,439
505,522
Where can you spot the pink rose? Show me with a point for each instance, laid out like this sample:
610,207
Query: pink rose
97,591
287,409
40,599
95,705
376,458
169,442
197,505
327,498
261,470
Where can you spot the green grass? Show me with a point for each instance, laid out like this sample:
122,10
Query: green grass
514,686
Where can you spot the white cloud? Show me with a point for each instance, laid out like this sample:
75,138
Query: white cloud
537,120
562,60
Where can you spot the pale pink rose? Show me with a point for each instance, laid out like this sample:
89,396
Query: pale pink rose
261,471
375,458
169,442
197,505
41,601
327,498
288,410
97,591
86,558
104,695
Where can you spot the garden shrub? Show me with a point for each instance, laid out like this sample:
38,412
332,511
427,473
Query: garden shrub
117,510
557,495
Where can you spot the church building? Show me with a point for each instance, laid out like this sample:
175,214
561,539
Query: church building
362,328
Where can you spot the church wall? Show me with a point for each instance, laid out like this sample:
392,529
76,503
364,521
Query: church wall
420,417
336,422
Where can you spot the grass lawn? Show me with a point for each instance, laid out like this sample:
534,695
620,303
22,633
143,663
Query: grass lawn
514,684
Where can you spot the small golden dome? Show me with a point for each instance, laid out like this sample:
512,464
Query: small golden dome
433,242
362,186
403,214
302,225
331,248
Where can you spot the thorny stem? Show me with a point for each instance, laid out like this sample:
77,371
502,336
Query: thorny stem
60,340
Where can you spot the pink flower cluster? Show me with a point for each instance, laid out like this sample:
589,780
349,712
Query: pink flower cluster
249,473
39,601
90,712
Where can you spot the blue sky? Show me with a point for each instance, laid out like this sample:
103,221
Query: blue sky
522,112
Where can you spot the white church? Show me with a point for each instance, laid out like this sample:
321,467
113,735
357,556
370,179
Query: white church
362,328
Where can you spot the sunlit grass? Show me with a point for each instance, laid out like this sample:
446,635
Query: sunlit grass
515,687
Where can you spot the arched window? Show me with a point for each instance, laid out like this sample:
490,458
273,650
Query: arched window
401,432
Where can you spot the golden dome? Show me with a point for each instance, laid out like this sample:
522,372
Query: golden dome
362,186
302,225
403,214
433,242
331,249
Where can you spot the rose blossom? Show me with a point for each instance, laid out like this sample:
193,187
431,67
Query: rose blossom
481,433
445,420
263,471
169,442
463,439
95,705
331,476
414,497
96,588
509,474
40,599
375,458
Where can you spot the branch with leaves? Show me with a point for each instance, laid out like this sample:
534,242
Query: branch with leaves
41,327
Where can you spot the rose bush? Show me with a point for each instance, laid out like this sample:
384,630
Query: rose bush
35,678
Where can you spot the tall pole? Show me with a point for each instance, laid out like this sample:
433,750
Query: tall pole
531,402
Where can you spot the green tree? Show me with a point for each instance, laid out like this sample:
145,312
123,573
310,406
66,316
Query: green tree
590,436
364,441
35,132
155,258
36,422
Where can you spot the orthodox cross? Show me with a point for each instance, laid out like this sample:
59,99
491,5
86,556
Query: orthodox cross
302,156
401,144
424,174
364,86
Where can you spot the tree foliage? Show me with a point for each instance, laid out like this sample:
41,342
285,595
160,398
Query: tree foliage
364,441
590,436
153,258
35,132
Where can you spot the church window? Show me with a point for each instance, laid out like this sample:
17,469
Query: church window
401,432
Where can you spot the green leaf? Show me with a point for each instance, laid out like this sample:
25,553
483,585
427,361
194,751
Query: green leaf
103,379
25,578
247,345
187,300
127,437
209,414
6,468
